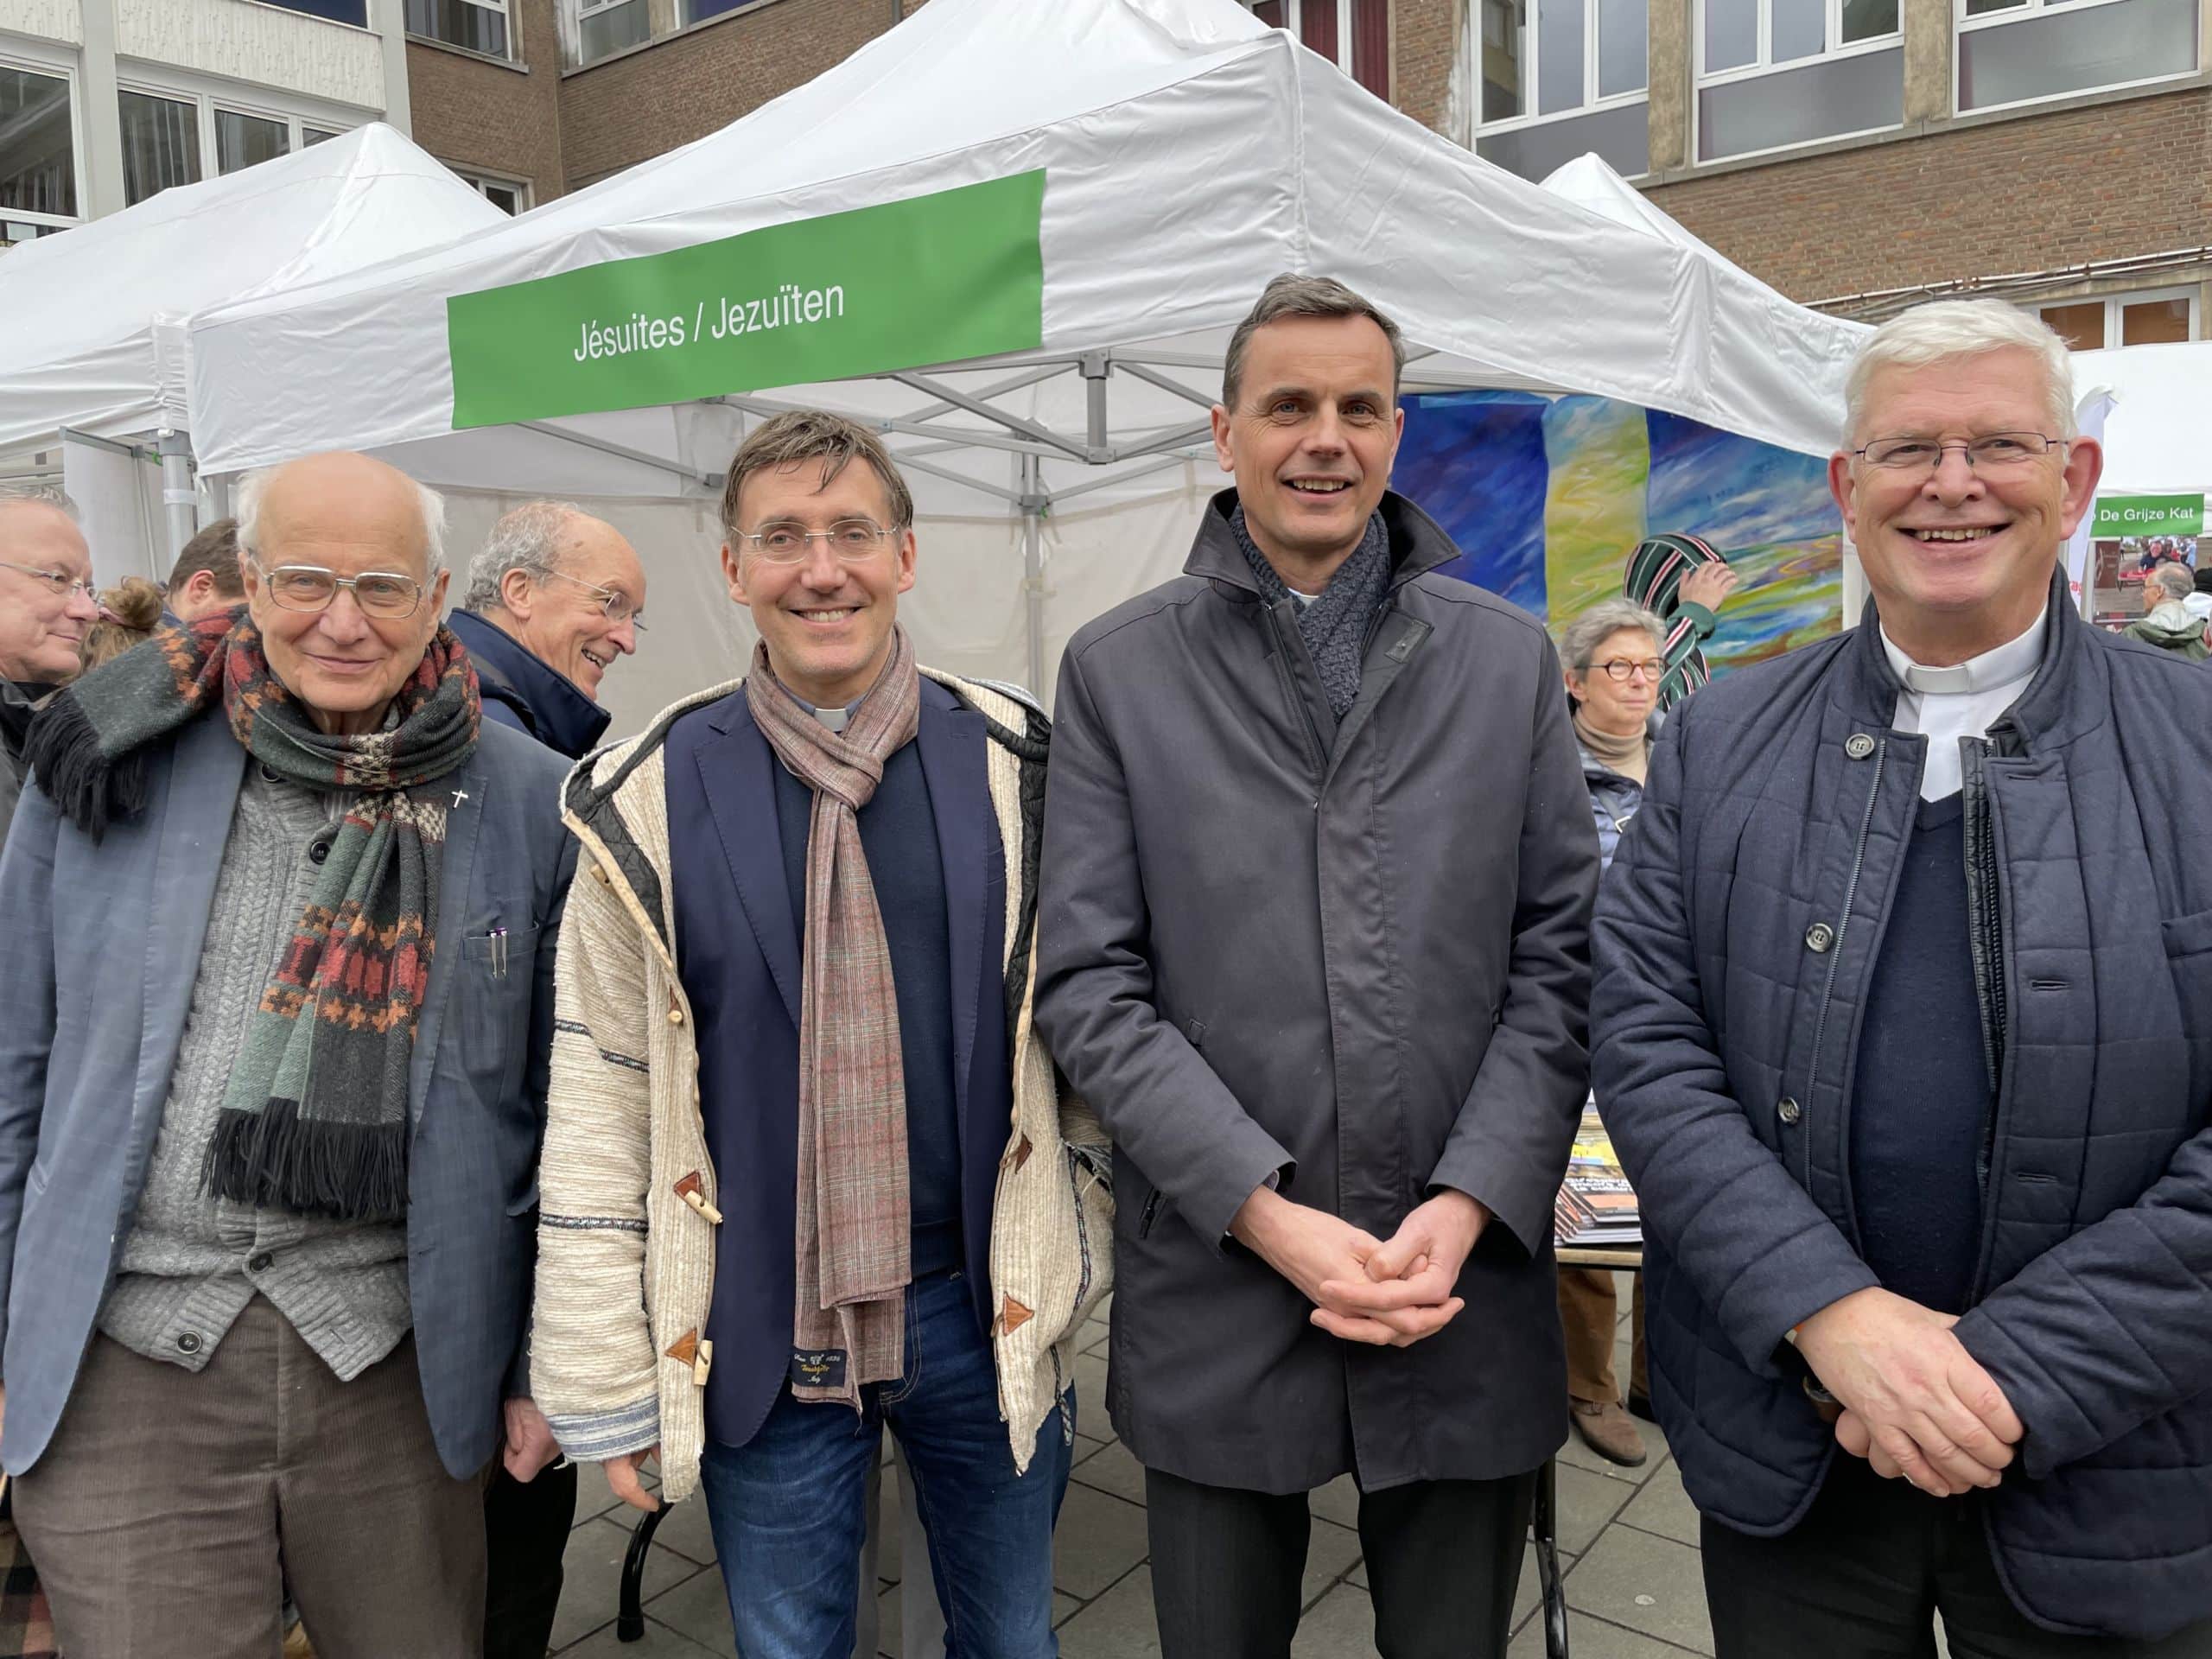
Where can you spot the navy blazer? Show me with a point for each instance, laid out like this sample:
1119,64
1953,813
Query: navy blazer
102,943
739,952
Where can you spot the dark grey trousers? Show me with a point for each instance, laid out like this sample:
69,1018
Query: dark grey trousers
1443,1559
171,1509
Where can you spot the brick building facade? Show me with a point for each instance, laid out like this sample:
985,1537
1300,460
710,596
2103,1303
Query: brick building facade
1853,153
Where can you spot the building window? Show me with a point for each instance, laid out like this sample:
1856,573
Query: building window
355,12
161,144
1558,78
1773,74
241,140
472,25
508,195
2020,51
697,11
2156,317
1354,34
310,136
38,153
606,26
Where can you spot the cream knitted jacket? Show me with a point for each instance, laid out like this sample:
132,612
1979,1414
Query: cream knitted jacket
625,1251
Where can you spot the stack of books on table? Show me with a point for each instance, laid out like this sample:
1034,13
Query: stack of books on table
1597,1207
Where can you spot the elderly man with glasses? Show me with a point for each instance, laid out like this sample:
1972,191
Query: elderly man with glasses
554,597
1902,1029
46,605
280,910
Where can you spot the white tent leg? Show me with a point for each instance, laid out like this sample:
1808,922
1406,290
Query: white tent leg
1033,569
219,491
180,505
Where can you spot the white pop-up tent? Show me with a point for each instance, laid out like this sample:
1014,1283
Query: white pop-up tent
2156,437
93,357
1015,238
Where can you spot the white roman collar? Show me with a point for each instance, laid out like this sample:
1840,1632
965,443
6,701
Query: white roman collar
2012,662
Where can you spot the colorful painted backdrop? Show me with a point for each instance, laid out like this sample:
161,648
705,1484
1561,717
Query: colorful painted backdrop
1547,496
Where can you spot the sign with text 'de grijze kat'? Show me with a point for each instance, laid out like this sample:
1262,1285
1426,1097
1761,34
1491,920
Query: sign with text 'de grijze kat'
955,274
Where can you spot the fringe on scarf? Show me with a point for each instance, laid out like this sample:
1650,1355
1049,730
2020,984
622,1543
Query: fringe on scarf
63,753
338,1172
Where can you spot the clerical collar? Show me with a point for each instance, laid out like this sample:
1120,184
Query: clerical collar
2010,663
834,719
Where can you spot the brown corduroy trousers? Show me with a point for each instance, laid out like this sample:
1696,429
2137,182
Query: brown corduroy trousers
171,1511
1588,1309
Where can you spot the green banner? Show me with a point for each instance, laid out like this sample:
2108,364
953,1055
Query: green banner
2147,515
932,279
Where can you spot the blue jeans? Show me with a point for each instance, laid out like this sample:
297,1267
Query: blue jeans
786,1507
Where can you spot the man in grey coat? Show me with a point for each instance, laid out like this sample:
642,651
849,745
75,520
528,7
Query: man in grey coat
46,605
1317,869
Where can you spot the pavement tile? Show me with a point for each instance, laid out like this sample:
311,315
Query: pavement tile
1592,1638
1331,1553
1587,1503
1113,1468
1065,1608
1100,1538
1338,1501
591,1587
1576,1455
1117,1625
659,1643
1664,1508
1528,1593
698,1608
1091,1418
686,1531
1650,1584
1342,1626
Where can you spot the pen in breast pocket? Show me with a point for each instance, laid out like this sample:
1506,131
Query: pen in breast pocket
498,953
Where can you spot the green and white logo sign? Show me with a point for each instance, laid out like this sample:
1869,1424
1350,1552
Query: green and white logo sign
2147,515
955,274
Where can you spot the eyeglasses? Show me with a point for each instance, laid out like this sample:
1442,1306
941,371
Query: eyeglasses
617,605
384,594
1998,452
1621,670
61,581
851,539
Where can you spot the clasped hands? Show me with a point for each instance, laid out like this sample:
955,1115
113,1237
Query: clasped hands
1390,1293
1917,1406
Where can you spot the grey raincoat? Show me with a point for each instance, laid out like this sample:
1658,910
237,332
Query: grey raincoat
1350,954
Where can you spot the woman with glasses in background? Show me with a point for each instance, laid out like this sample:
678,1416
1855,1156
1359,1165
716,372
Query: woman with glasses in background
1614,658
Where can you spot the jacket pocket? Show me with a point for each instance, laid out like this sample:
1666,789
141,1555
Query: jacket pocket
497,976
2185,935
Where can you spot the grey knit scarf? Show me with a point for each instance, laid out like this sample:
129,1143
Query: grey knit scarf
1334,625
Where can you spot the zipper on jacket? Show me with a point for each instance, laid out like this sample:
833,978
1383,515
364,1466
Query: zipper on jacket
1301,716
1985,940
1835,951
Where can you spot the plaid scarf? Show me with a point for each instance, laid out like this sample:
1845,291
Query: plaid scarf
315,1119
1334,625
848,1317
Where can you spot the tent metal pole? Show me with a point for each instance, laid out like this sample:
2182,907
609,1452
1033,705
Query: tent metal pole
1032,567
977,406
180,505
1096,368
953,437
219,490
909,463
623,452
1203,400
997,389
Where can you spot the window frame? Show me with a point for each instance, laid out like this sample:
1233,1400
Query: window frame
56,68
478,180
575,11
1961,24
2116,303
1761,65
1532,70
367,26
503,8
207,99
1294,21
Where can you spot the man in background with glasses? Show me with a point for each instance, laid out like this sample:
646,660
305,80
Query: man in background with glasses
1902,1029
46,605
807,1171
554,597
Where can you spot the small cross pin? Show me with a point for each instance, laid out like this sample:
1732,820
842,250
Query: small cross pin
459,796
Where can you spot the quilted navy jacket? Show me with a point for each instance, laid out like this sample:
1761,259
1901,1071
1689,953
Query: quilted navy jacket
1734,939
